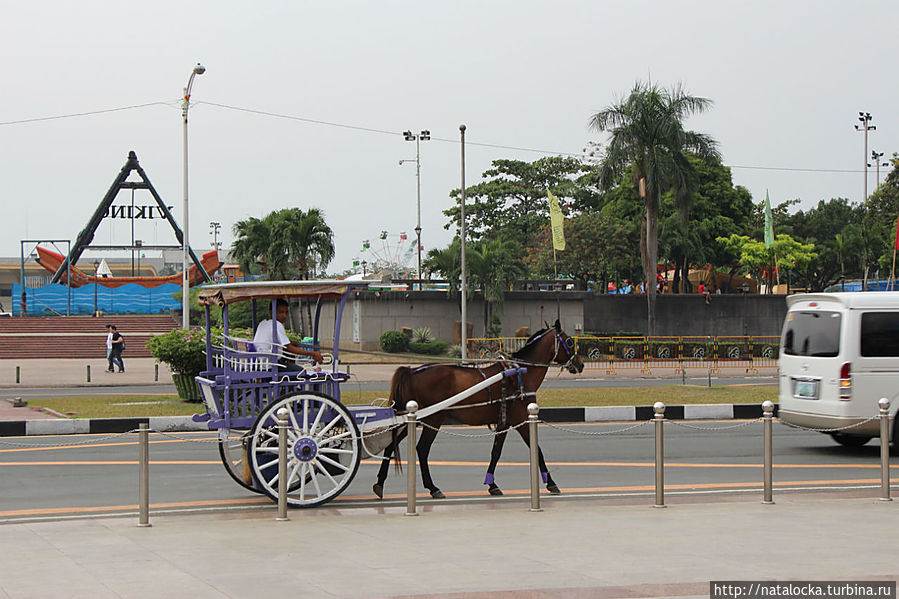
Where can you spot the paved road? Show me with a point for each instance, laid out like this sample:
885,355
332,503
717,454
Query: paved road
92,475
585,382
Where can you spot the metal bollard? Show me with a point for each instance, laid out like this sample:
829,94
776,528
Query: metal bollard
88,373
283,414
156,372
533,410
411,409
659,409
710,377
768,420
144,481
884,404
18,374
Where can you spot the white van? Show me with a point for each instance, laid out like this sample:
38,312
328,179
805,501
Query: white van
839,354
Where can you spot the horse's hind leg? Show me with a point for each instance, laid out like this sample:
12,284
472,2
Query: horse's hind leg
551,485
498,440
428,434
378,487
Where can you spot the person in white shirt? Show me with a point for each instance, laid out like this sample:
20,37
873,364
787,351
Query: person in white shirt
109,348
265,342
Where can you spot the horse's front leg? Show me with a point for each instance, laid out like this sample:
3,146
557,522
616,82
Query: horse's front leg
551,486
428,434
498,440
378,487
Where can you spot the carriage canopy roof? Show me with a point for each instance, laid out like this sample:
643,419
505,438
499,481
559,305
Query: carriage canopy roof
227,293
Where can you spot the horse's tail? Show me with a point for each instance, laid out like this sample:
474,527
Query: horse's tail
400,393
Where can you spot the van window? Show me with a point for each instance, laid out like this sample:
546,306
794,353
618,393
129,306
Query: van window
880,334
814,334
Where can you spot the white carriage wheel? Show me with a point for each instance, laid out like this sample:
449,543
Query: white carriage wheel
233,456
323,449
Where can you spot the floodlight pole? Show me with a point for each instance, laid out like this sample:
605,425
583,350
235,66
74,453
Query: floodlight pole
185,241
464,327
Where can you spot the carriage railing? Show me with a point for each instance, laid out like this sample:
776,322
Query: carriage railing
646,353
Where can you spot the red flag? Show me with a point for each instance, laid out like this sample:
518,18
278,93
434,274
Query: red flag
896,245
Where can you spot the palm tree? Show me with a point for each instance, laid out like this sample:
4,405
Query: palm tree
494,265
646,131
286,244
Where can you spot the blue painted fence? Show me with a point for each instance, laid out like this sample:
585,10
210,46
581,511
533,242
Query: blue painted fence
50,300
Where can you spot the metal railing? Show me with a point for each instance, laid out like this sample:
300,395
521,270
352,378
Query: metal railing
647,353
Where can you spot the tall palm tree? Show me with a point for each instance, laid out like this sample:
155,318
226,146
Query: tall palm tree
285,244
494,265
647,131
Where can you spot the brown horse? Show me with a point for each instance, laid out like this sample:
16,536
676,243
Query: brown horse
503,404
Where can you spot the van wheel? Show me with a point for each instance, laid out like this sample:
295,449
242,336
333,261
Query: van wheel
849,440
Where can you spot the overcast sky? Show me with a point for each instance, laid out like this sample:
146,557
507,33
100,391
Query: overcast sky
787,79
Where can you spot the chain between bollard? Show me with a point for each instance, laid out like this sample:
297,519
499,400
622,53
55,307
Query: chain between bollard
283,416
884,405
411,409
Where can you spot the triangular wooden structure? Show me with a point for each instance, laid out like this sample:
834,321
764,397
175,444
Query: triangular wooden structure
121,182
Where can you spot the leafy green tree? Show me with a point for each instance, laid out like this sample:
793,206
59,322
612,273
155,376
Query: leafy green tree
832,227
511,201
784,253
719,208
595,245
647,133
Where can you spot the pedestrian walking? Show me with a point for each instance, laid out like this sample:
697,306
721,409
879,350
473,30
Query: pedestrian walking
118,345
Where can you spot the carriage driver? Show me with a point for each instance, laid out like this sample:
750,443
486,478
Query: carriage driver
263,339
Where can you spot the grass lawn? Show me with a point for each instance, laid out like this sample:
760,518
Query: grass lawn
170,405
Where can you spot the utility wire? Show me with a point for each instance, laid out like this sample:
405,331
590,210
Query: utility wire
78,114
385,132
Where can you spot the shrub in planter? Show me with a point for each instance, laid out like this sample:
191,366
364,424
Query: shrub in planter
393,341
431,348
182,350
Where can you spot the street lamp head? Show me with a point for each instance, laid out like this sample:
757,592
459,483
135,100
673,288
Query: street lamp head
199,69
425,135
408,136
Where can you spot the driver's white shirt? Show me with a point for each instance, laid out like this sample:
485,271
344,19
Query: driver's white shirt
263,338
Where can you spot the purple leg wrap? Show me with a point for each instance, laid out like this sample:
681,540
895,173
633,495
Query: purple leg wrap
544,475
488,480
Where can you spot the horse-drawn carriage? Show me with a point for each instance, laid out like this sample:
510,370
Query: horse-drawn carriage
245,384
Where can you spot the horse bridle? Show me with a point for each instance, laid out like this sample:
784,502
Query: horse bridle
567,344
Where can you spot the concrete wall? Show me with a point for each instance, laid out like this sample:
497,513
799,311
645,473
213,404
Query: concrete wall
688,314
369,314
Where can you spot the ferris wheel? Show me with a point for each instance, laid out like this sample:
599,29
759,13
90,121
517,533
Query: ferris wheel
394,252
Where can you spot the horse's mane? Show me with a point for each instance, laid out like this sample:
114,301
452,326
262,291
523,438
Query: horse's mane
527,344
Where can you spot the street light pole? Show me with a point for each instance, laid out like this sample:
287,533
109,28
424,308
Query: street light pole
214,228
96,277
425,135
185,237
876,156
865,118
464,327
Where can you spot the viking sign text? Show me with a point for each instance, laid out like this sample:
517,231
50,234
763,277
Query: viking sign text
136,212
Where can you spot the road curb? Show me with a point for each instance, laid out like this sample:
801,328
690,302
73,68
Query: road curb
71,426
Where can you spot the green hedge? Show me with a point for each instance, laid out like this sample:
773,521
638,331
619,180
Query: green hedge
431,348
394,341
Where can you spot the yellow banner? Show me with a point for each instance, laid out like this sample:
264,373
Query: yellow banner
557,219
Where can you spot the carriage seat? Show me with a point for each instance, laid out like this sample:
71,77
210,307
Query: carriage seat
243,357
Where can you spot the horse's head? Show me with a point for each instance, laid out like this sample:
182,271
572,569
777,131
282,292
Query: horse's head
566,353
